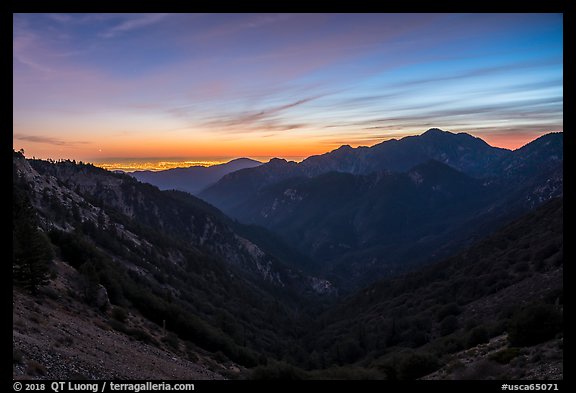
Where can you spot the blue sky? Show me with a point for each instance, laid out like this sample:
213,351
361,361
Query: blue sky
92,86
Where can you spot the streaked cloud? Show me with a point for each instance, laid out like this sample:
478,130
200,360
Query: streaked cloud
48,140
271,118
134,22
215,81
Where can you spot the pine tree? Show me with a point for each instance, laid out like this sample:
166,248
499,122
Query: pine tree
32,251
32,256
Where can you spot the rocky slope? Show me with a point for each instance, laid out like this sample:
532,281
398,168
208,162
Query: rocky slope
57,337
164,256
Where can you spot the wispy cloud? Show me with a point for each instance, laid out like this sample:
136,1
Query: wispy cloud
133,23
48,140
240,24
266,119
223,77
484,71
23,44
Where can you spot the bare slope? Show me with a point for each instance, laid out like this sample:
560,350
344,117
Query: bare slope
56,336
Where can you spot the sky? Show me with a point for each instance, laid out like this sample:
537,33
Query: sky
140,87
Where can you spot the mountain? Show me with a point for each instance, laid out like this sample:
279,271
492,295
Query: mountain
372,212
460,151
162,257
359,227
116,279
500,299
240,186
544,154
195,178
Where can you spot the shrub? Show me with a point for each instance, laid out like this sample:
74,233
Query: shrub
478,335
415,365
482,370
534,324
447,310
119,314
350,351
348,373
278,370
140,335
35,369
172,340
446,345
16,356
505,356
117,325
454,366
448,325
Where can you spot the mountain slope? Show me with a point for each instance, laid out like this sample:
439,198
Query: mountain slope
456,304
542,154
195,178
167,257
238,187
356,228
364,213
167,279
462,151
57,335
180,216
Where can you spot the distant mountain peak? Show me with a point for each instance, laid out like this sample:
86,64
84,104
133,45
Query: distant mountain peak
193,179
436,134
243,159
436,131
344,148
276,160
557,136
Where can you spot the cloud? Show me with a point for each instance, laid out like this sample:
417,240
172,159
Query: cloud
134,23
48,140
485,71
61,18
239,24
266,119
413,115
24,48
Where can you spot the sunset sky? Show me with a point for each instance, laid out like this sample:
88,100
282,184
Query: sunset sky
105,87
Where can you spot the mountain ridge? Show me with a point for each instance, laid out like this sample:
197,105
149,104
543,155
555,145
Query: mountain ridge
336,209
462,151
203,293
192,179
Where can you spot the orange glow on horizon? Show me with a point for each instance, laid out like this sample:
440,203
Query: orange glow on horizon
159,149
154,153
507,141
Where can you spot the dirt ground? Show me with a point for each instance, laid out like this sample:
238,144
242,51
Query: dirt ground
60,337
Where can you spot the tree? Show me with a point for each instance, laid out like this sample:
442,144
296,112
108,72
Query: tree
31,258
415,365
448,325
534,324
478,335
32,251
